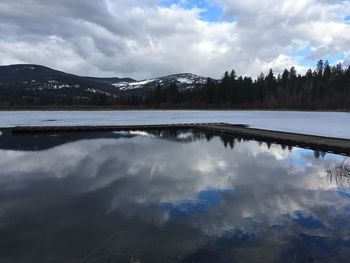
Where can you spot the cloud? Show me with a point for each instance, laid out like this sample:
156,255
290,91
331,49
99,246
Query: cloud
144,39
281,26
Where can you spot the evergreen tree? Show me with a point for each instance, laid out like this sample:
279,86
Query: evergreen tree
320,68
309,74
293,73
327,71
285,77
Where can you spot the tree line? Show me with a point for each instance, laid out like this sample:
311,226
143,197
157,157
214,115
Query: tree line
326,87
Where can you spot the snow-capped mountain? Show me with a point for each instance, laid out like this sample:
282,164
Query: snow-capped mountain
34,84
183,81
36,77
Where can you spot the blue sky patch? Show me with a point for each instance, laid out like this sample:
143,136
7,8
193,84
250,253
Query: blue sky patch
301,52
335,58
305,57
211,11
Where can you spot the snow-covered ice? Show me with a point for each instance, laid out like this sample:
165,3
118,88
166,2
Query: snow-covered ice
333,124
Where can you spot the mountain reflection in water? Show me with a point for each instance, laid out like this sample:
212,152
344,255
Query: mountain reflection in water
169,196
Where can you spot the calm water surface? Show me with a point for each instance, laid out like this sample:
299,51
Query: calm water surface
170,196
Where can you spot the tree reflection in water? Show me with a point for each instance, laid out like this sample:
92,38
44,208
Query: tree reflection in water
339,173
178,195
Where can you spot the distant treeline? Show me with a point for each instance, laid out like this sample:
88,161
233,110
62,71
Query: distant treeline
326,87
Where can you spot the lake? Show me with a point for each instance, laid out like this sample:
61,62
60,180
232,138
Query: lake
332,124
170,196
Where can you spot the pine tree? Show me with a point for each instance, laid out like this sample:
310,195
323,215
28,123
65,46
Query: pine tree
320,68
285,76
292,73
327,71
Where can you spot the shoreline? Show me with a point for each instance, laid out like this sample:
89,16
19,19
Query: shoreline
321,143
164,109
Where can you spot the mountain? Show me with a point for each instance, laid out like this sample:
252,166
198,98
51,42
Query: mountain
35,84
111,81
38,78
183,81
26,84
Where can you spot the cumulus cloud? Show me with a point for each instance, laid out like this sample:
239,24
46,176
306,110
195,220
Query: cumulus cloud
143,39
278,27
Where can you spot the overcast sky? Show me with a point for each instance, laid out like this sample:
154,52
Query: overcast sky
149,38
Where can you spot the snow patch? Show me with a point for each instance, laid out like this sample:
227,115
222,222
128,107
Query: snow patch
142,82
120,84
132,85
185,80
97,91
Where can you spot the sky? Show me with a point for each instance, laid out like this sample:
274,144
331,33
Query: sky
151,38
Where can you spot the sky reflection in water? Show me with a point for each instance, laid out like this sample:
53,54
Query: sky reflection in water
180,196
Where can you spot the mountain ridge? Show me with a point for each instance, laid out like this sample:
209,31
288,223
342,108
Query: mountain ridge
37,84
23,74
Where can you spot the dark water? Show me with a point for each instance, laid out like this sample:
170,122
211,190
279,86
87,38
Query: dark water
170,196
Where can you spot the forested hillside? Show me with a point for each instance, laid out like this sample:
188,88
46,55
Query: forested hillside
326,87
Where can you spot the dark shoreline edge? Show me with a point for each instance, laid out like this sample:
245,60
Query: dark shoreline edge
321,143
88,109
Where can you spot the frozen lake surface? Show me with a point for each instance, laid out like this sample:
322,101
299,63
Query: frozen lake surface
332,124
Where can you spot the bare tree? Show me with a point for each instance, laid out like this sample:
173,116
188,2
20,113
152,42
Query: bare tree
339,173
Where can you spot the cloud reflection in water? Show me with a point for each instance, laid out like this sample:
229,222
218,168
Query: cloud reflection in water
179,197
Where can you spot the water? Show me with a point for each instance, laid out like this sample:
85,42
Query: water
169,196
332,124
